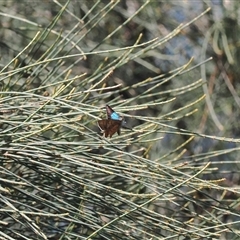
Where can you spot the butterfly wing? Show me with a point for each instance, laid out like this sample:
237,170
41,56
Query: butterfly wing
109,126
114,126
119,131
111,114
103,126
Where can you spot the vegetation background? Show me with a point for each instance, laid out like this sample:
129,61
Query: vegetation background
171,68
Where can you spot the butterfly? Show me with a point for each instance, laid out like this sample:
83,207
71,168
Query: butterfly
112,124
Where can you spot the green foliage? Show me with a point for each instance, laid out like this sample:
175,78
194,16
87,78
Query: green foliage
172,176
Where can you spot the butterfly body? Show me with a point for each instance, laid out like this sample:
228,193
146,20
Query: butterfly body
112,124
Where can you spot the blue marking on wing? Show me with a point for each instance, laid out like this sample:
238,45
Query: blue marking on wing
115,116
